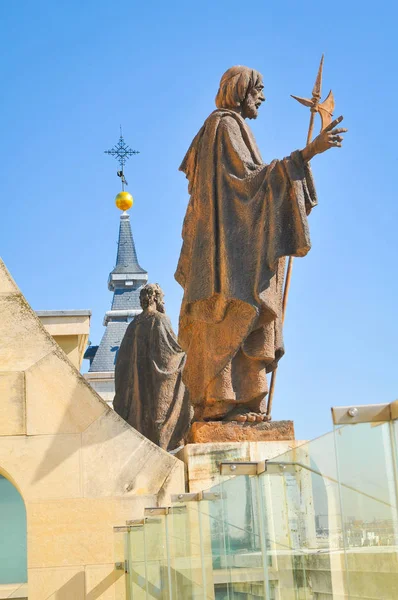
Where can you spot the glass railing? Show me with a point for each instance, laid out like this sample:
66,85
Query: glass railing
317,522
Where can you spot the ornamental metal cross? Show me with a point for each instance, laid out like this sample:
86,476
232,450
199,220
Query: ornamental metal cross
122,152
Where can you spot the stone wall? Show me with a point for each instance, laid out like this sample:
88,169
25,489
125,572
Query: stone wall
79,467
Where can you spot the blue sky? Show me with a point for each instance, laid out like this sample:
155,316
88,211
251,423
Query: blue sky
72,72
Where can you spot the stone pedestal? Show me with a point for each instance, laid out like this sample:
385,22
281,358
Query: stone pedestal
202,461
232,431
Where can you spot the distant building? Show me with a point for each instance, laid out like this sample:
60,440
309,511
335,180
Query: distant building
125,281
70,329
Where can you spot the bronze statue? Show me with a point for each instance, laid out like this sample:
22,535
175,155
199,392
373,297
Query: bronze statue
150,394
243,219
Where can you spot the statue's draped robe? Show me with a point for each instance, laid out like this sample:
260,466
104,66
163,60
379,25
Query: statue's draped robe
150,394
243,218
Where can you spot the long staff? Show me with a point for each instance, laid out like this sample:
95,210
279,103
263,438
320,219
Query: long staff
325,109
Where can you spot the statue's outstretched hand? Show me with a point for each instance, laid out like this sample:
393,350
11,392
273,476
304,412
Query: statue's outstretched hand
328,138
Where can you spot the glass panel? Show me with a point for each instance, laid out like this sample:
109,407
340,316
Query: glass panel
304,531
243,541
185,551
213,521
320,522
368,499
158,575
137,569
205,523
120,541
279,495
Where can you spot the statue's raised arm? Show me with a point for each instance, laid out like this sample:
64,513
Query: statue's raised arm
243,219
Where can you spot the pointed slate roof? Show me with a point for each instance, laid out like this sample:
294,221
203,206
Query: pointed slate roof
125,280
127,299
127,261
105,357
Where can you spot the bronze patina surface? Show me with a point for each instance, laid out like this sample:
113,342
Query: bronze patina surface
150,394
243,218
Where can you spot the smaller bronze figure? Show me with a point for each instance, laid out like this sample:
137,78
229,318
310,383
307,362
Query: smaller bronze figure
150,394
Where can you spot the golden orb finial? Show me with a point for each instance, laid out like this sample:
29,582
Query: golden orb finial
124,200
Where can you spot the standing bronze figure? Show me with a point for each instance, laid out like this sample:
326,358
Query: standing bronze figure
150,394
244,217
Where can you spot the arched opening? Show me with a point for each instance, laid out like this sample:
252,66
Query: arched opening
13,555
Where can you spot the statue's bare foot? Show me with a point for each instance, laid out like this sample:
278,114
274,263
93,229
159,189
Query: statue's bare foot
242,415
237,417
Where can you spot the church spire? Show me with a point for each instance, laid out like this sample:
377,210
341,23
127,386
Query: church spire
125,281
126,260
127,269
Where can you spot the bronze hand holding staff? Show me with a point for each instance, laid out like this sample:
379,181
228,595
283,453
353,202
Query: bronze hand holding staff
330,137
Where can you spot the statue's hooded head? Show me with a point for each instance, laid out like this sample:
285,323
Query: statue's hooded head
241,89
151,297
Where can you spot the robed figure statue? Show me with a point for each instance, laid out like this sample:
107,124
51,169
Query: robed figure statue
150,394
244,217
